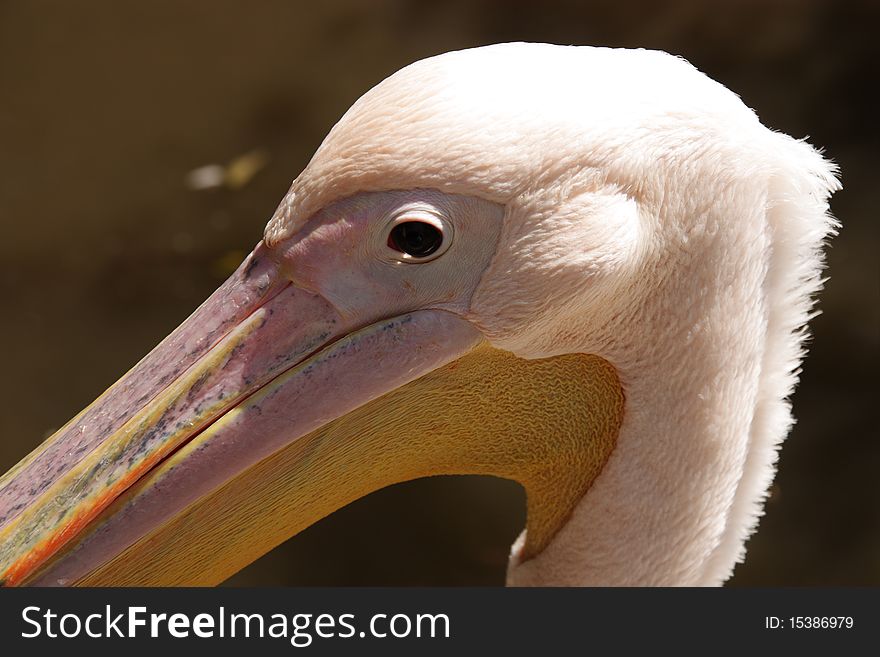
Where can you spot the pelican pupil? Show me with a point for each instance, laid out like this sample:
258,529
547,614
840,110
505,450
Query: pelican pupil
416,238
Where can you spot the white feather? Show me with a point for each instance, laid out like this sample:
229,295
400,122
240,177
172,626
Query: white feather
650,219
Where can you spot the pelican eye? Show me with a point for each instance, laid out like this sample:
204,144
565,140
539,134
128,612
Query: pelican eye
415,238
418,237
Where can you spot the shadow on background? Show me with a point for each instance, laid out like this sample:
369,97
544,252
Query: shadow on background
108,242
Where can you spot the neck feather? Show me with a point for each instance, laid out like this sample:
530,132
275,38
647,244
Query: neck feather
707,359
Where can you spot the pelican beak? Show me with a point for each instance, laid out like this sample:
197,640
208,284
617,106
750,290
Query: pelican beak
267,410
259,365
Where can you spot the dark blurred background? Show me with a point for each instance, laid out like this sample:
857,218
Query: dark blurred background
143,146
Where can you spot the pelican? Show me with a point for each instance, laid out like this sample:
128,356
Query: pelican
587,270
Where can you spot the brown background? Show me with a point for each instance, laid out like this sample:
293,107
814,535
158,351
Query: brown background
106,106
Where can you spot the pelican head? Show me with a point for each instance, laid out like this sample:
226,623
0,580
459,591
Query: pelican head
584,269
